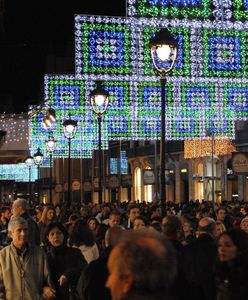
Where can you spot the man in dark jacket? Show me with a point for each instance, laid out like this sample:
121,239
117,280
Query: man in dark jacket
198,263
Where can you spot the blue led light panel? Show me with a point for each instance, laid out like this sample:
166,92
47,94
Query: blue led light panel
225,53
104,45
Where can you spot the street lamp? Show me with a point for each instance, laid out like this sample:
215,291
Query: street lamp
49,119
29,161
164,53
51,146
38,160
210,133
99,100
70,128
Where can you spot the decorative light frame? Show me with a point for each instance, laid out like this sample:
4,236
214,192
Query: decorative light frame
209,86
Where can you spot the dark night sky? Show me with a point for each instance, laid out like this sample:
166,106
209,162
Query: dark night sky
34,29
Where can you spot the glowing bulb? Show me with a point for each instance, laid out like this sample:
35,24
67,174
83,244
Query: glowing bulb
163,52
99,100
70,128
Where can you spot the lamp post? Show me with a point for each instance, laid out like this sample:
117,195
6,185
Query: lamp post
51,146
29,161
99,100
164,53
210,134
70,128
38,160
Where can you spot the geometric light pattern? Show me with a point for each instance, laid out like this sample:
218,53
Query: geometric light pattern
18,172
240,9
203,148
116,163
207,89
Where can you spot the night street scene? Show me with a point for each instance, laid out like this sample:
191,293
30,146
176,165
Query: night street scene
124,150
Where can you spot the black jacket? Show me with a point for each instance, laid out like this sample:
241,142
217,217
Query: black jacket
91,285
198,260
231,279
66,261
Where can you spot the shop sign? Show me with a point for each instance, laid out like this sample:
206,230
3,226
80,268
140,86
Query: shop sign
87,186
75,185
58,188
149,177
240,163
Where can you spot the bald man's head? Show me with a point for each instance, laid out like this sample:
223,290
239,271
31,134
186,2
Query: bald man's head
207,225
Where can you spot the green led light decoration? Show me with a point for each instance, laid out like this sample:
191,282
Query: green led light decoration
208,87
240,8
198,9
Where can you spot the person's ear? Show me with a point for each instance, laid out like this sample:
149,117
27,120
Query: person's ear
127,282
9,234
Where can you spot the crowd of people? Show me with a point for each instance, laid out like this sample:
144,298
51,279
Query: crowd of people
131,251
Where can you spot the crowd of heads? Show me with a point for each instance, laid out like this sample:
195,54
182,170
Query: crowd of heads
139,233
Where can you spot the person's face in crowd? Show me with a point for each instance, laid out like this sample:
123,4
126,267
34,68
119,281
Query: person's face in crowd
242,210
226,249
7,214
92,225
83,212
244,225
50,214
219,229
16,210
187,228
114,220
138,224
118,285
57,210
19,235
55,237
38,214
134,212
221,215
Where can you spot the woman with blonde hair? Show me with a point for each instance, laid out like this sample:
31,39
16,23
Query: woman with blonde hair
46,218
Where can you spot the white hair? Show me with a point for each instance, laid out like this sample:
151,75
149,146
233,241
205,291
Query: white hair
14,221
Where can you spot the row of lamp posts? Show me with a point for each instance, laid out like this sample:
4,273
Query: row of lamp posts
163,48
99,102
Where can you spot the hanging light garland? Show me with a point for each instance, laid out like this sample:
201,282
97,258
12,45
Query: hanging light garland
202,148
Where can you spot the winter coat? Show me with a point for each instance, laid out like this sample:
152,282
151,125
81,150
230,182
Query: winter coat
91,285
231,279
198,261
23,278
66,261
